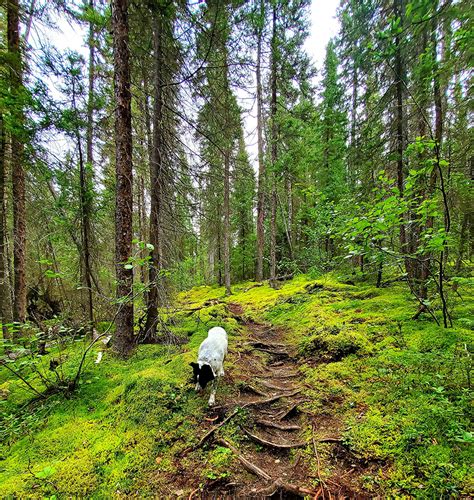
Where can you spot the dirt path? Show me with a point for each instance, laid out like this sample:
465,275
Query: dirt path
274,436
277,451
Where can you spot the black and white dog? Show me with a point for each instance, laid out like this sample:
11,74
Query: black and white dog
210,363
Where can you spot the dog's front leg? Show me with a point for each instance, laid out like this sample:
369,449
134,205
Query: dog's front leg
212,399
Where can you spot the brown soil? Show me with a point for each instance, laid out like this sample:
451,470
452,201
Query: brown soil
279,436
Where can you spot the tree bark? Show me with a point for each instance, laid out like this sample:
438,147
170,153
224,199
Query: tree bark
227,223
274,153
261,164
156,184
86,195
18,172
124,178
5,316
351,174
400,126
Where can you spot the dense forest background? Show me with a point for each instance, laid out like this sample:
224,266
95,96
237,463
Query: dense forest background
368,171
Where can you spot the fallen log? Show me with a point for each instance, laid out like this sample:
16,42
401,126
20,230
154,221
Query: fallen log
284,446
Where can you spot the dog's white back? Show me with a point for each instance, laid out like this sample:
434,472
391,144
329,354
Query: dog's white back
212,352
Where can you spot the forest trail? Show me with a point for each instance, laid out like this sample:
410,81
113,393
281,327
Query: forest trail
274,442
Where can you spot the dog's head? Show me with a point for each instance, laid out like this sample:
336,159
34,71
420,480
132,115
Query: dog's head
202,374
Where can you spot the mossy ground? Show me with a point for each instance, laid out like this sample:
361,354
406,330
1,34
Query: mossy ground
400,389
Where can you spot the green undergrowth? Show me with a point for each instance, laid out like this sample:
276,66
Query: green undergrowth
400,388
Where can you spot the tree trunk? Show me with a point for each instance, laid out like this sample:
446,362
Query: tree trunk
351,174
274,153
18,172
141,225
86,185
261,164
5,316
156,183
124,178
438,102
400,126
289,228
84,196
227,223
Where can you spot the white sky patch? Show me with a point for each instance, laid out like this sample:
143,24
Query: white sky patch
324,26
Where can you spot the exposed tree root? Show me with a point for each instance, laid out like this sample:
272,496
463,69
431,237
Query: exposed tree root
234,413
279,485
246,463
276,425
251,388
273,386
259,344
285,446
329,440
285,375
274,353
285,413
272,399
213,430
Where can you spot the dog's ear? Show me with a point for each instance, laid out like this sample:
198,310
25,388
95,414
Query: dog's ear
193,364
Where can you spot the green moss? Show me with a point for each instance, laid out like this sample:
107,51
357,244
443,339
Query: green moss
400,387
219,461
334,343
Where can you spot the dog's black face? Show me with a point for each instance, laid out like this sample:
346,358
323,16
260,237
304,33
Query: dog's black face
202,374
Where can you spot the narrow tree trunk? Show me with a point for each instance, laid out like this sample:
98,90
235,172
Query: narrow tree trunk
274,153
220,282
124,178
261,164
156,184
18,172
227,223
141,224
352,175
438,101
400,126
86,195
289,229
5,316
